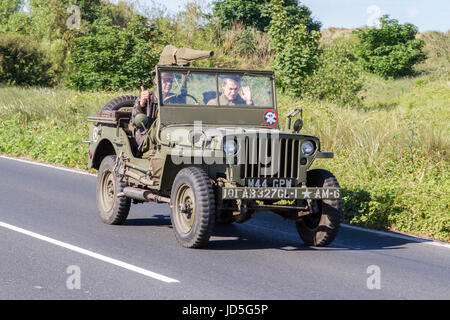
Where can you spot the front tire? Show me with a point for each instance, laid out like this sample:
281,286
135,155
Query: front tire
321,226
192,207
112,208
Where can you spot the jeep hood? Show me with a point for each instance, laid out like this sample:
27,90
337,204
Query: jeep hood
212,137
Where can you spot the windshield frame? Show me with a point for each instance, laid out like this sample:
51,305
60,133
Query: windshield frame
217,72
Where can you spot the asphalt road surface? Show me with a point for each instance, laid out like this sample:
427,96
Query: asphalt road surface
54,246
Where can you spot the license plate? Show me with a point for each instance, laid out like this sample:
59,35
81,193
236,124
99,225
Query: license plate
270,182
281,193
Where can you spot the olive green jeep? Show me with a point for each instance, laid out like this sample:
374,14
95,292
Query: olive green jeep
218,158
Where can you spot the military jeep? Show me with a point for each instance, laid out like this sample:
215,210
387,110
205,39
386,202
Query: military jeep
213,162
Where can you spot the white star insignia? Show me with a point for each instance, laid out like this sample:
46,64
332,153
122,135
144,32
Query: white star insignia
306,194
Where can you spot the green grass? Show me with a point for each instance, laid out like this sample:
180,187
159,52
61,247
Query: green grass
48,124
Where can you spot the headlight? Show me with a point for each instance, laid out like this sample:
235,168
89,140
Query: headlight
230,147
307,148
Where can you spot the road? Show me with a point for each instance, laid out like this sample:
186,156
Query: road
54,246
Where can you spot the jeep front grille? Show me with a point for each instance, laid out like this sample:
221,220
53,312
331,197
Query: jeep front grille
270,157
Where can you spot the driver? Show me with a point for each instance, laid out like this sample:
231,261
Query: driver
166,86
230,93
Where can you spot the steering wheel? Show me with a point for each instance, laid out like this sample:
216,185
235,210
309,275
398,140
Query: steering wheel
175,99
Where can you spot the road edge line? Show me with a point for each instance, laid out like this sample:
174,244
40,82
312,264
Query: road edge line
36,163
399,236
91,254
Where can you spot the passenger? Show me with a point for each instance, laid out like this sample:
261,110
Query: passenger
166,86
230,93
146,136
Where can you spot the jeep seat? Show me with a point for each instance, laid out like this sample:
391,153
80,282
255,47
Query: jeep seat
208,95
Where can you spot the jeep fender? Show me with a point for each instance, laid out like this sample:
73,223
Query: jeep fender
103,149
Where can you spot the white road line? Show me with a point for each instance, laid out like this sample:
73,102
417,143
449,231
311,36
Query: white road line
101,257
48,166
399,236
383,233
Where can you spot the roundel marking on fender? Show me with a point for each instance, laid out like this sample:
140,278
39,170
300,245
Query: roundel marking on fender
270,118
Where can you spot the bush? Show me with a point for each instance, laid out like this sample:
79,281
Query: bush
243,11
18,23
23,63
7,8
110,57
337,79
390,51
50,17
295,38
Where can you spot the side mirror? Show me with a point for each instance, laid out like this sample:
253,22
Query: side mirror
298,125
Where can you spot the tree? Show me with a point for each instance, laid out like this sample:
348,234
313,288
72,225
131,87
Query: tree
50,17
7,8
248,12
23,63
295,39
390,50
338,77
110,57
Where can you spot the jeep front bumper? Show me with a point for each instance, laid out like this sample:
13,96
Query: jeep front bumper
248,193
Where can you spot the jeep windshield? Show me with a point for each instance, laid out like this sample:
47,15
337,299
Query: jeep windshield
216,88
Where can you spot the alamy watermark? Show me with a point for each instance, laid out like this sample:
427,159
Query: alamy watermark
209,146
74,19
73,282
374,280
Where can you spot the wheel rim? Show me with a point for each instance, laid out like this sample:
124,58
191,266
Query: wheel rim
108,191
185,209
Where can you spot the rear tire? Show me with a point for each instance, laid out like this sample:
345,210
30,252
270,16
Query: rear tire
112,209
320,228
192,207
120,102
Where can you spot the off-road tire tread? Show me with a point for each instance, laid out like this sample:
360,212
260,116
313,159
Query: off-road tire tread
122,204
120,102
204,205
331,208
